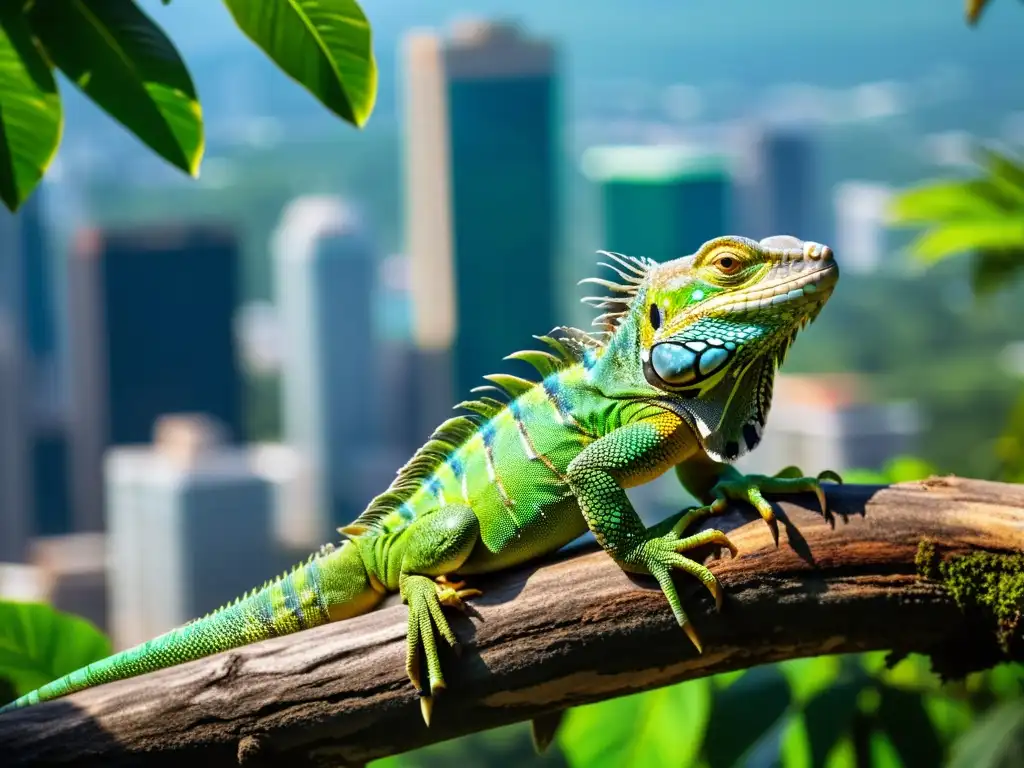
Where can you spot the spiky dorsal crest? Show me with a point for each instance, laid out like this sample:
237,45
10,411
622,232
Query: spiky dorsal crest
570,346
326,549
633,271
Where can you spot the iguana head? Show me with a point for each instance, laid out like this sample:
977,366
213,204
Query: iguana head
706,332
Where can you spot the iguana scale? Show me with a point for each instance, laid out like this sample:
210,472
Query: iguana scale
678,376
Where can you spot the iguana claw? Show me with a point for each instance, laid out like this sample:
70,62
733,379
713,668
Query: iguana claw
751,488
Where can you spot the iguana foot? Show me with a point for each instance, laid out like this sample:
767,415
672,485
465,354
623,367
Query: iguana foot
660,555
751,488
425,597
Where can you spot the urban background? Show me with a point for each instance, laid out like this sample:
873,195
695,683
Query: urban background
201,379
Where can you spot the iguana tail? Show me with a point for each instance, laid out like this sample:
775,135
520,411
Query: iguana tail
330,586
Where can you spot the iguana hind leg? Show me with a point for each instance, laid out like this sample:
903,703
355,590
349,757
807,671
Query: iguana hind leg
439,544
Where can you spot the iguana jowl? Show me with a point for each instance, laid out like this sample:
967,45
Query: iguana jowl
679,376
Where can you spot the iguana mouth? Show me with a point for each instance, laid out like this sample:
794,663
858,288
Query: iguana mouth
807,288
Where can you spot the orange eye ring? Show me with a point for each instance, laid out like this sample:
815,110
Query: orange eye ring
727,263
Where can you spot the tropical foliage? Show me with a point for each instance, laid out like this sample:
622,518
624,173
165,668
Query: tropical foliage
39,644
123,61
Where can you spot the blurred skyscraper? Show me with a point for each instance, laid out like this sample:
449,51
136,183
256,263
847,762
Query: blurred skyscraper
658,201
15,523
190,527
482,131
151,333
777,185
861,238
326,274
35,436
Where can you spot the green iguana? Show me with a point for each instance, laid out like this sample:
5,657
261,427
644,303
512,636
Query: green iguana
679,375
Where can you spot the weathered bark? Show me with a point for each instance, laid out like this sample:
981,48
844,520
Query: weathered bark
572,631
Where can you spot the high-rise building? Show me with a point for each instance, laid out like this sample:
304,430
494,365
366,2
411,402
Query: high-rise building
15,524
777,183
73,572
861,231
661,202
326,275
824,422
481,146
151,332
208,506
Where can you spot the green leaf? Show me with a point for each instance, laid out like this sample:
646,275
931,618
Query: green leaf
808,677
743,713
7,691
954,238
995,269
31,118
38,644
125,63
995,741
938,202
660,727
324,45
883,753
909,728
827,717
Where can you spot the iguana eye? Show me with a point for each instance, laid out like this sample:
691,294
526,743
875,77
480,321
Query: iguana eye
655,317
726,263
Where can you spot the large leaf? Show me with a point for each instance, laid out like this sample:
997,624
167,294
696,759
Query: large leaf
954,238
661,727
745,712
943,201
39,644
910,730
325,45
828,716
996,741
126,64
31,119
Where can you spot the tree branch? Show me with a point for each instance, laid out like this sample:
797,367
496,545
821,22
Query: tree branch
573,631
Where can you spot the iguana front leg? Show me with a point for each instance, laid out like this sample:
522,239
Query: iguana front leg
438,545
597,477
715,484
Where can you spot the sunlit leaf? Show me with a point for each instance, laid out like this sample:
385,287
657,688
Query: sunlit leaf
950,717
31,118
660,727
955,238
39,644
1007,680
901,469
996,741
842,755
909,728
125,63
325,45
743,713
808,677
883,753
795,746
943,201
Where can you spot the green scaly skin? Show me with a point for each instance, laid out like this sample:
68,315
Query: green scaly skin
518,479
